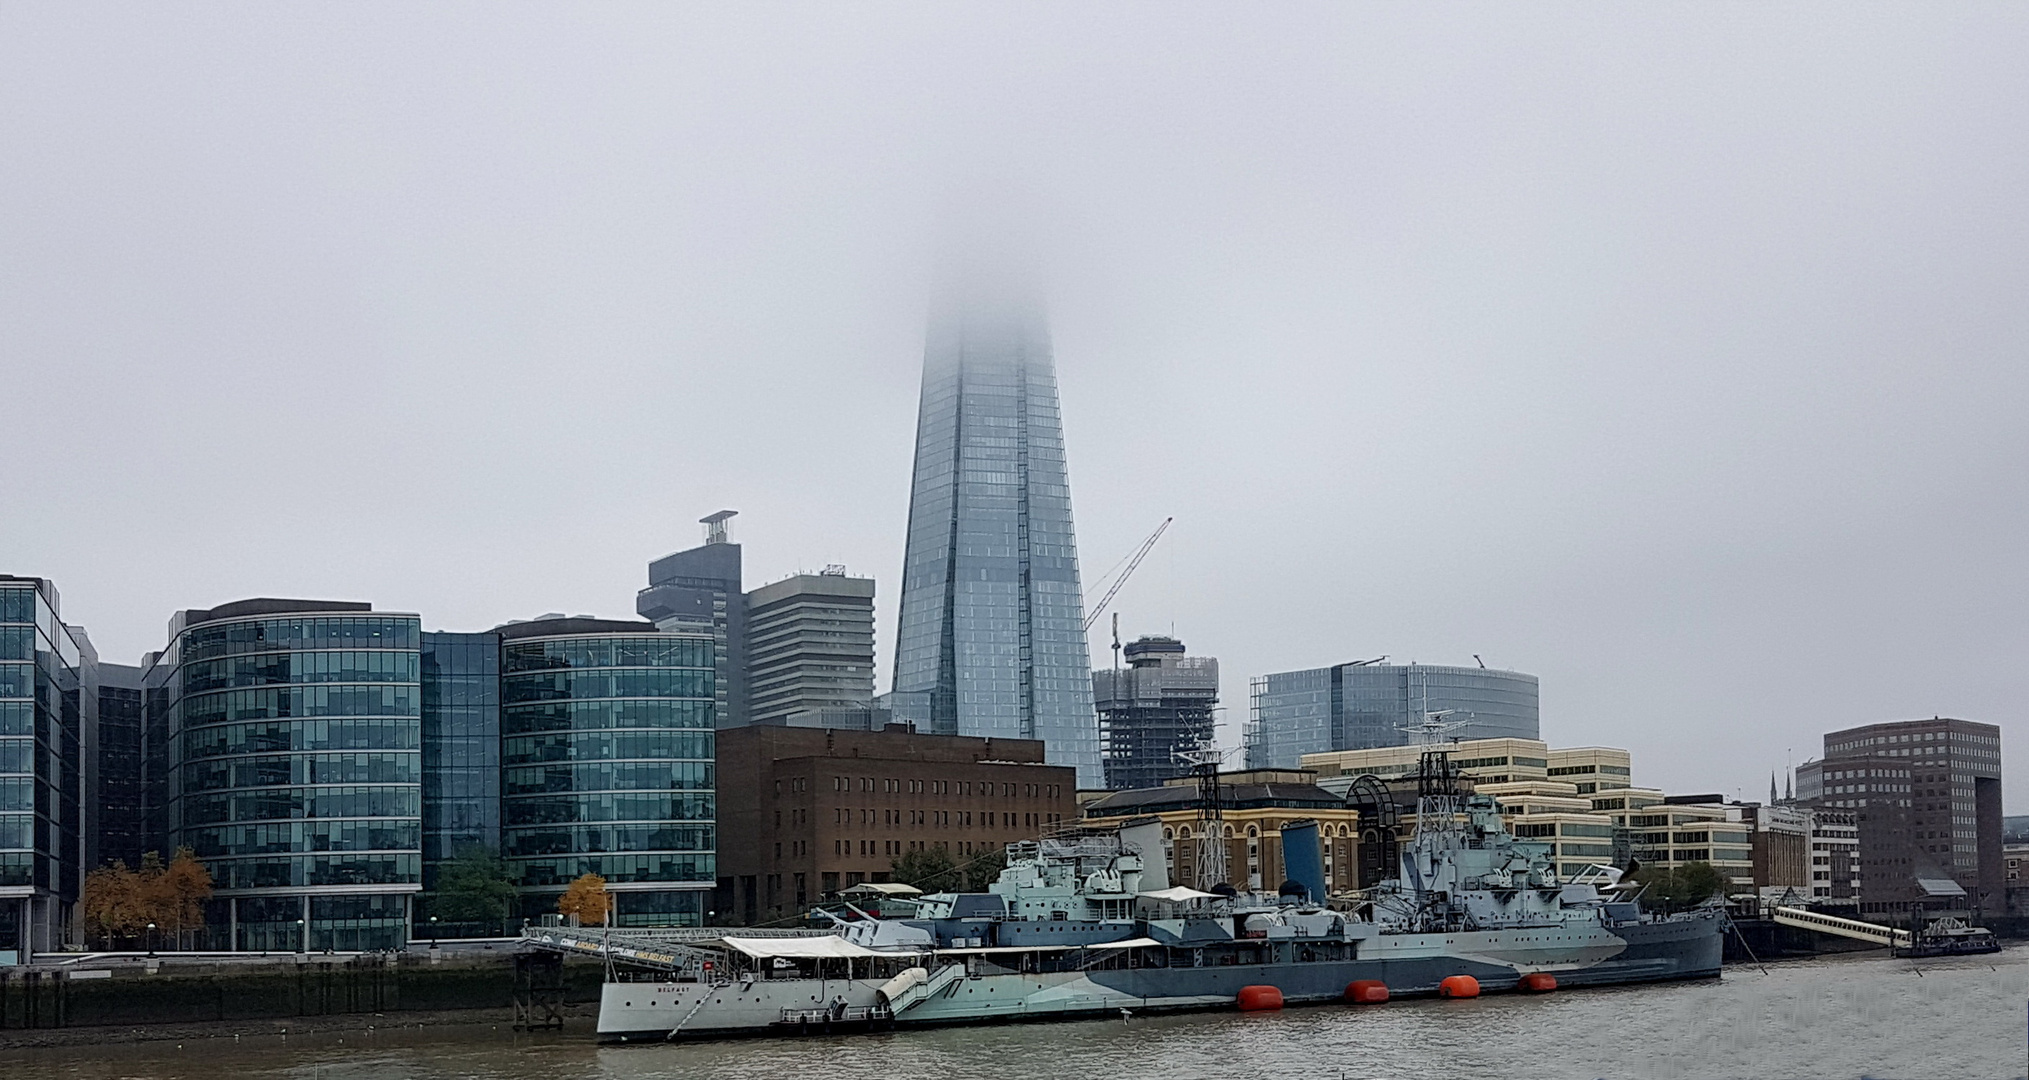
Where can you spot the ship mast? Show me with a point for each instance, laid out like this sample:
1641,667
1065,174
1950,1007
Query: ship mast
1211,855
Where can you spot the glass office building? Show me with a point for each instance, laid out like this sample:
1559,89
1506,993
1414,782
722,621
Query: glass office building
1362,706
992,639
461,747
606,754
48,707
295,731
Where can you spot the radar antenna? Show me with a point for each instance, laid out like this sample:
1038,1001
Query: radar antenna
1210,860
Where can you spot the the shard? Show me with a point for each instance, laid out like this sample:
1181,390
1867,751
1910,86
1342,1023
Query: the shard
992,638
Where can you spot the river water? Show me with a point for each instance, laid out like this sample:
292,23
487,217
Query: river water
1833,1018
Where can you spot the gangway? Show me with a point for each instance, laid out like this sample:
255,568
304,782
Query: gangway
660,948
1833,924
915,986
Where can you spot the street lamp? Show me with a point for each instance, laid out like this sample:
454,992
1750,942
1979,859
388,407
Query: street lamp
151,940
433,931
302,937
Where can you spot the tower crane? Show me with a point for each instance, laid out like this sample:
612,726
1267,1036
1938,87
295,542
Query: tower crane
1140,553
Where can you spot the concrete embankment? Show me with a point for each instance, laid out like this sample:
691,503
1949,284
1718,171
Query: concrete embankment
131,1001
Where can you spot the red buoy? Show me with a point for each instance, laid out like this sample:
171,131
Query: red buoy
1366,992
1539,982
1259,998
1459,986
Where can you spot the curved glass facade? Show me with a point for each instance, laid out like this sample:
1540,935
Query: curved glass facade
296,742
1363,706
606,768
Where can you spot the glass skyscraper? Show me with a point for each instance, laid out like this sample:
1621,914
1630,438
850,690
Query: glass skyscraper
992,639
1363,706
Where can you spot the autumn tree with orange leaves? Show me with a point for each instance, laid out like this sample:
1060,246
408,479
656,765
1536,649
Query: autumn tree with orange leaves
588,899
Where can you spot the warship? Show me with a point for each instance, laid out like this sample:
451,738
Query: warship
1086,924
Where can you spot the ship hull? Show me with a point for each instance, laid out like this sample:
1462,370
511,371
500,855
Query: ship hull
1409,964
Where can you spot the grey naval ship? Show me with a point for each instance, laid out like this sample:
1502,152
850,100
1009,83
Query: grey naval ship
1087,924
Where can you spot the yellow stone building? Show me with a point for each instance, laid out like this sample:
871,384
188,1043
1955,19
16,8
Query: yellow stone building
1255,807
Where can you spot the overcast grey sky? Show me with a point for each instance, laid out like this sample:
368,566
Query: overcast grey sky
1673,354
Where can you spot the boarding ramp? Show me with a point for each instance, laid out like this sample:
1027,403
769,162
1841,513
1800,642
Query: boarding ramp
658,948
915,986
1833,924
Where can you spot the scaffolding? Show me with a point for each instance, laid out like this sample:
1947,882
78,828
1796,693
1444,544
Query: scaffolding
1160,705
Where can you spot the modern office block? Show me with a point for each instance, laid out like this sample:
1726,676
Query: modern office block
1360,706
461,747
121,834
698,591
1159,704
48,717
295,771
810,646
992,638
1926,796
607,764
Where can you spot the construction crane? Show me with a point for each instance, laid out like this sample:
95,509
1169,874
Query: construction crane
1140,553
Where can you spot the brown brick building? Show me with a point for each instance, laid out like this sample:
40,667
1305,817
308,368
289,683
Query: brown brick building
805,812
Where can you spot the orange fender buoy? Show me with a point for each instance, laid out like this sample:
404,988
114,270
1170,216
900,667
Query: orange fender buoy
1260,998
1539,982
1459,986
1366,992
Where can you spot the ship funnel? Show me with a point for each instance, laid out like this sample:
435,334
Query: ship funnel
1303,858
1144,837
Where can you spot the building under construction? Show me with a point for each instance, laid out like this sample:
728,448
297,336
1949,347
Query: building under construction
1156,706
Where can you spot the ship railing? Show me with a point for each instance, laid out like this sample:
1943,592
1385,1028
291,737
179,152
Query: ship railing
851,1014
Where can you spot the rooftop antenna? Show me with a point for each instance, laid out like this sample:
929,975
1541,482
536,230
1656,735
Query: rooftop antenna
715,526
1434,727
1482,663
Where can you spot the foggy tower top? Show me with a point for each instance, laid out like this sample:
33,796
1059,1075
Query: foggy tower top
992,638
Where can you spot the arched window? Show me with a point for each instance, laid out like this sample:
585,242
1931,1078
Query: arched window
1184,833
1168,833
1252,832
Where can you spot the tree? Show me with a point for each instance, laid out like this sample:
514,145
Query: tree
112,903
983,870
473,886
931,870
120,903
1687,886
936,870
183,886
588,899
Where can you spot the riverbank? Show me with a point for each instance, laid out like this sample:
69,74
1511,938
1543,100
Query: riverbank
578,1019
204,999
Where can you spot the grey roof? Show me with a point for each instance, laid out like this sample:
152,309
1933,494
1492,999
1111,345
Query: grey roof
1234,797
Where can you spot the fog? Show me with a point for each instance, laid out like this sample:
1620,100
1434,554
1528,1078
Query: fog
1674,354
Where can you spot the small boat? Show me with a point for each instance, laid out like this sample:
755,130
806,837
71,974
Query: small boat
1949,936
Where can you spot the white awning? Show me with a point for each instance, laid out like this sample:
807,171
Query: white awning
883,888
1130,943
800,948
1177,895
